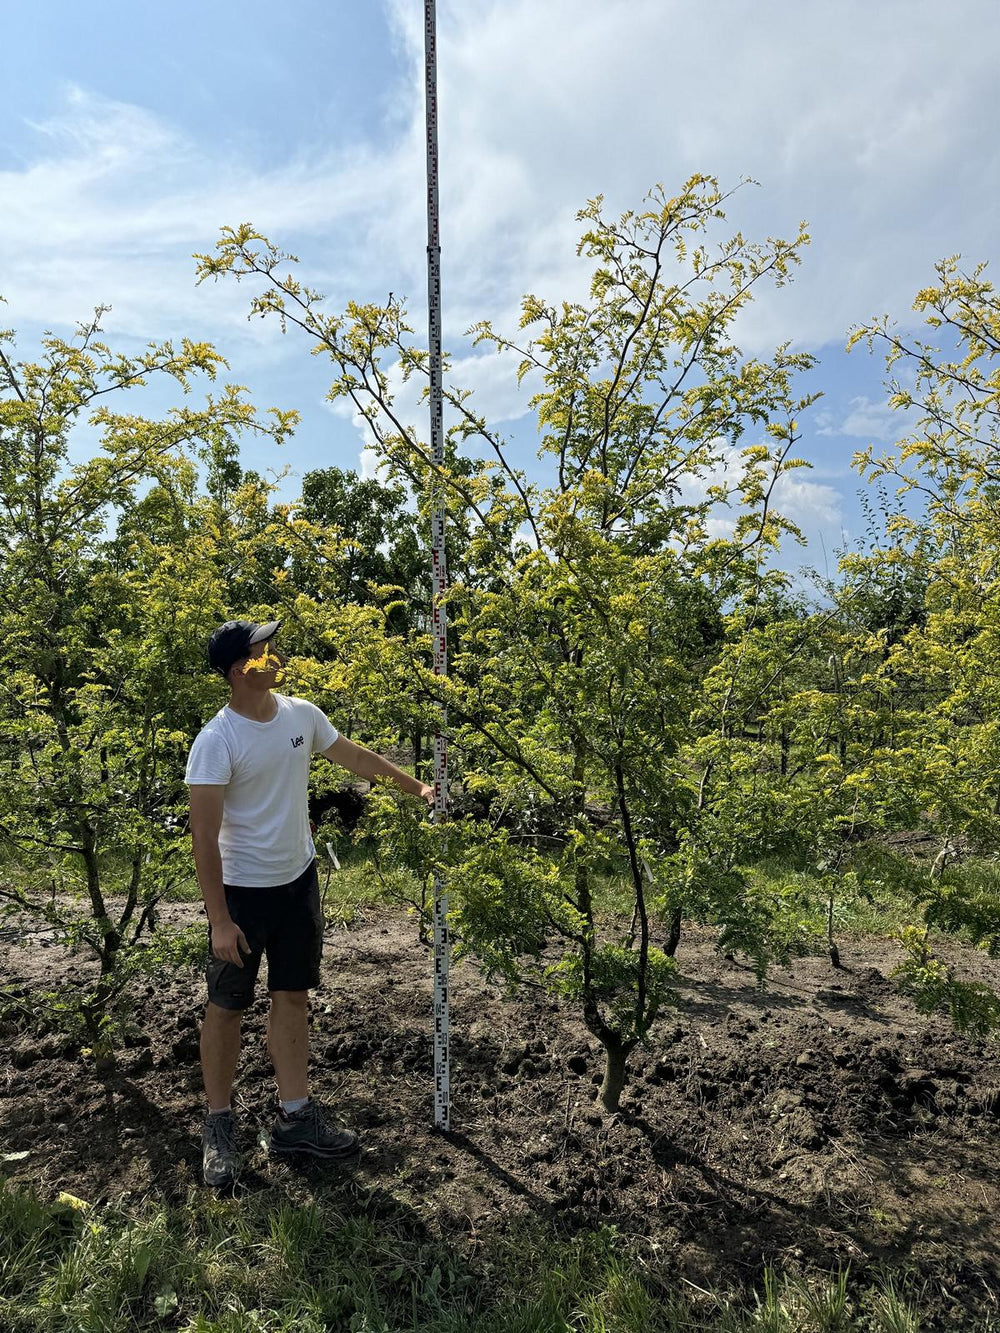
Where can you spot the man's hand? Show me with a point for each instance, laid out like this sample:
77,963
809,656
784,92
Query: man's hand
227,941
427,794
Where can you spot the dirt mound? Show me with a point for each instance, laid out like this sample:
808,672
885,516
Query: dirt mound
820,1122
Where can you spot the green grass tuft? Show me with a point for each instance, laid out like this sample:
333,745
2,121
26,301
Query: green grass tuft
268,1264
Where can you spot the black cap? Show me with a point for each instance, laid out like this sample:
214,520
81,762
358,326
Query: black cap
232,640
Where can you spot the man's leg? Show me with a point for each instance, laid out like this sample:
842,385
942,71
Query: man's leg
220,1050
230,991
288,1042
300,1125
293,960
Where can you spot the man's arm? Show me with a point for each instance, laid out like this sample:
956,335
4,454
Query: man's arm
206,821
369,765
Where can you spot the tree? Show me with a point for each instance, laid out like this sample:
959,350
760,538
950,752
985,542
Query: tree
942,671
382,548
112,576
584,614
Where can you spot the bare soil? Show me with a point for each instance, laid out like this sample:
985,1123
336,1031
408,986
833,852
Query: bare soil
821,1122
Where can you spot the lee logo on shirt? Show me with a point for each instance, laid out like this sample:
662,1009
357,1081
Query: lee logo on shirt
297,741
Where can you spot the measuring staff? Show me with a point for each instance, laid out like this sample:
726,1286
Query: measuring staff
439,572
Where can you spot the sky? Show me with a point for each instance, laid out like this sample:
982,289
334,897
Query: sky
133,134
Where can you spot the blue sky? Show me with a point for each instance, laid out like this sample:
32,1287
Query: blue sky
132,136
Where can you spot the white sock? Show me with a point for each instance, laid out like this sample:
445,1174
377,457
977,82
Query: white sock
219,1110
291,1107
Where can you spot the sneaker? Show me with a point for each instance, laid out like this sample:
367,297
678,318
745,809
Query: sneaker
307,1130
218,1149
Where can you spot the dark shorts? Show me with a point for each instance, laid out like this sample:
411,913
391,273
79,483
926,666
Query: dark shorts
286,924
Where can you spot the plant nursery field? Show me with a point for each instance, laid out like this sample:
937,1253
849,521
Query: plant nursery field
816,1127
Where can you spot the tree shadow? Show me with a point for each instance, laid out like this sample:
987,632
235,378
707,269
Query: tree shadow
461,1140
713,999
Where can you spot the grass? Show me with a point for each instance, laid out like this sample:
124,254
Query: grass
890,891
880,907
269,1264
347,891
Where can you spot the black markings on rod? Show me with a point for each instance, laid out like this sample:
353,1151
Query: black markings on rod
439,571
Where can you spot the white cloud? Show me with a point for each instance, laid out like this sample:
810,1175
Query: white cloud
720,527
492,379
116,201
865,420
812,506
868,120
871,121
523,536
368,464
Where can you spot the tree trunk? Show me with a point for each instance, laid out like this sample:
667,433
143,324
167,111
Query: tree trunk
640,915
616,1054
831,943
674,934
105,1059
417,741
98,910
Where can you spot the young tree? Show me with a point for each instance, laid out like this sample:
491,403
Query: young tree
584,614
109,583
942,671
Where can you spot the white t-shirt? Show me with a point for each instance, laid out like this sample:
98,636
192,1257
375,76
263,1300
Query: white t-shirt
264,767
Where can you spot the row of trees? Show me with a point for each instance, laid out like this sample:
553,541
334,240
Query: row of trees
633,691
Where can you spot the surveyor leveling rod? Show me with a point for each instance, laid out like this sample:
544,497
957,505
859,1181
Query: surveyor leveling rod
439,571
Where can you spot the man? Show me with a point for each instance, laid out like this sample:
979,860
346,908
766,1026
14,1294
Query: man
248,774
